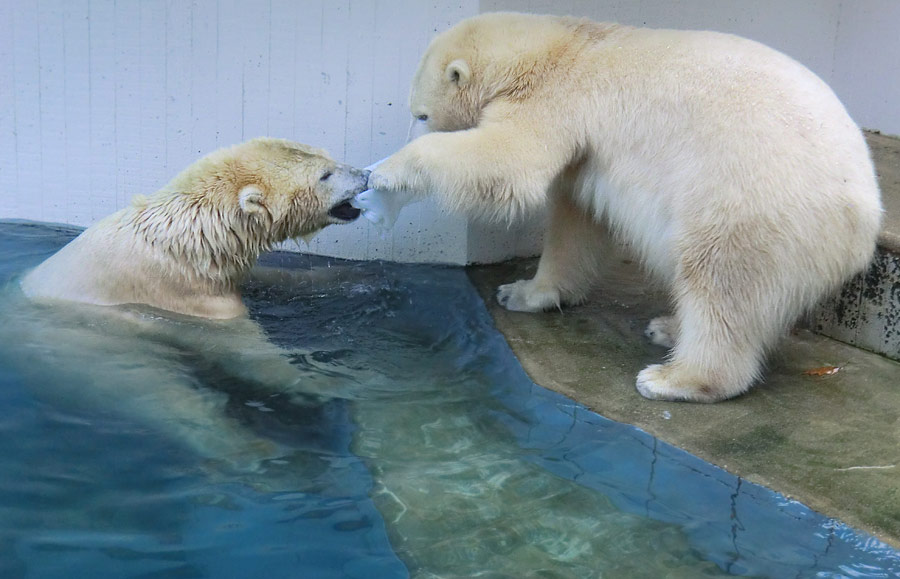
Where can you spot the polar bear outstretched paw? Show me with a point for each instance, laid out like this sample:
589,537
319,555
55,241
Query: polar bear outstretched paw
662,331
661,382
526,295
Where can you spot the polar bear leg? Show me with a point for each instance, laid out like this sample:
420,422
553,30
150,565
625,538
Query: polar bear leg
704,371
568,262
166,399
717,354
198,419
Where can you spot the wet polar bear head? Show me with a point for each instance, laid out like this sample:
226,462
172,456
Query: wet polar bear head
265,190
187,247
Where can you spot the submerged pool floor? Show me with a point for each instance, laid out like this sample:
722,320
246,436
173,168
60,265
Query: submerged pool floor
407,441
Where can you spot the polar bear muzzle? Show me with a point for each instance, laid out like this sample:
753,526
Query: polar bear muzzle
346,181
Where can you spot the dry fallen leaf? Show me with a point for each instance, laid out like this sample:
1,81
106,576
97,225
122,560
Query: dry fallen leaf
823,371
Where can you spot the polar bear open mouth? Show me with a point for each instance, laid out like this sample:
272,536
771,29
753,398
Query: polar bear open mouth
344,211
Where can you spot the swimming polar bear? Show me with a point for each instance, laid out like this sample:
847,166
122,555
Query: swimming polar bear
82,329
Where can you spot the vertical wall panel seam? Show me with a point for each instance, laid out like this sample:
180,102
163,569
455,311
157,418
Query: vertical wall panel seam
368,233
140,98
190,69
269,75
90,114
115,78
294,77
165,110
67,200
347,80
216,67
40,119
837,39
243,87
17,142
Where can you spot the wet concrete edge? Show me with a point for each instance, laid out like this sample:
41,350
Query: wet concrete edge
832,442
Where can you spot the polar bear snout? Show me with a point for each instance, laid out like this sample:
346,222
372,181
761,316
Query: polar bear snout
348,182
345,182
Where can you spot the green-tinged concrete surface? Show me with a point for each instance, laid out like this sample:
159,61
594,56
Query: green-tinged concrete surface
832,442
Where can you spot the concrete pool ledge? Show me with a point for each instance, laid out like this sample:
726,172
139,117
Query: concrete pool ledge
831,442
866,312
886,154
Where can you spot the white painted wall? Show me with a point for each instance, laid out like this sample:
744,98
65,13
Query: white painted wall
104,99
867,63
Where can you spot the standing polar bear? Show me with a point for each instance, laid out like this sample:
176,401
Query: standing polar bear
732,171
187,247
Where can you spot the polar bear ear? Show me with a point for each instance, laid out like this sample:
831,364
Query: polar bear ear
458,72
250,198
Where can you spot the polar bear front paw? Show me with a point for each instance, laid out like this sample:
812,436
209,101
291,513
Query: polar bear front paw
395,173
381,179
527,296
662,331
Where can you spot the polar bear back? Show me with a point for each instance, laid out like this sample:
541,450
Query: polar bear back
721,129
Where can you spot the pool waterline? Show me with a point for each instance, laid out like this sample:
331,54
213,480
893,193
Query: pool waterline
472,466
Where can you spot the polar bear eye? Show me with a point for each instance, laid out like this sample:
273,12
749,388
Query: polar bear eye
325,176
422,118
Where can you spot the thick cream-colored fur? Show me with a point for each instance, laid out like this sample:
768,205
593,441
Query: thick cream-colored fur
187,247
732,171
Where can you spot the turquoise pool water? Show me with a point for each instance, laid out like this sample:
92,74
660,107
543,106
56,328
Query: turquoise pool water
388,431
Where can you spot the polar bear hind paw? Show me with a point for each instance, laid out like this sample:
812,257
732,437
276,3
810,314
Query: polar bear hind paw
527,296
660,382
